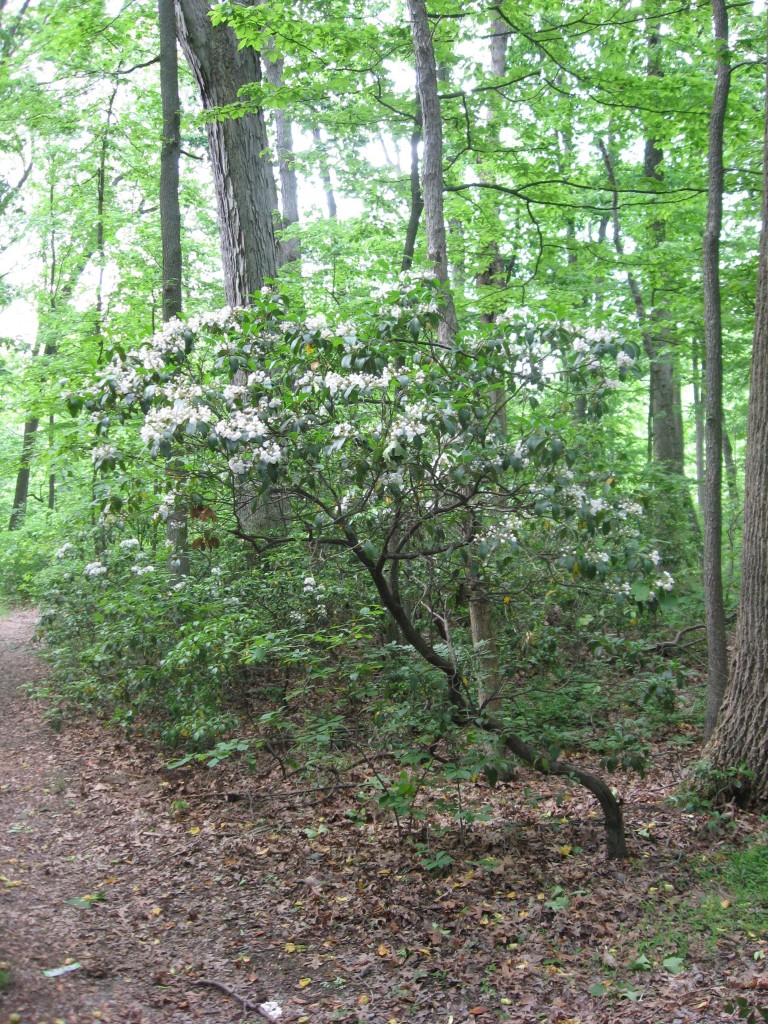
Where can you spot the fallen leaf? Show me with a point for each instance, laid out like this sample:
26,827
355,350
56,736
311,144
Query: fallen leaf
304,982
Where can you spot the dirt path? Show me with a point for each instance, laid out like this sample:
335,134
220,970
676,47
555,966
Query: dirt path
71,829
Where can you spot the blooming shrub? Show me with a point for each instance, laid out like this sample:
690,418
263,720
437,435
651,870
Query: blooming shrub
411,457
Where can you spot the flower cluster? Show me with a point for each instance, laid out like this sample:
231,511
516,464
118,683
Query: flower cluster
103,452
316,591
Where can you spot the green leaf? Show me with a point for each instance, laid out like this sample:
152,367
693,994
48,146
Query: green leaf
674,964
640,591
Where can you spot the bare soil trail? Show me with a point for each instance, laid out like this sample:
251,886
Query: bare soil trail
79,822
196,895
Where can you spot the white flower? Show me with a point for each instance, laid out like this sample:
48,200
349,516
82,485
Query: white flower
624,359
665,581
238,467
64,550
94,569
102,452
131,542
655,557
142,570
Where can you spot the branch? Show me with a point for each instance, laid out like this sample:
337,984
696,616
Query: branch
247,1004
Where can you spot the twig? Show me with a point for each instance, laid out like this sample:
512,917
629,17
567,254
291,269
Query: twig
246,1003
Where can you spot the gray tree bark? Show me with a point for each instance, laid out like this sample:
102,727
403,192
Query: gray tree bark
717,647
432,162
738,746
287,249
177,525
246,195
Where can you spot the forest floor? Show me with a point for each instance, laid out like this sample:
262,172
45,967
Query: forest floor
207,895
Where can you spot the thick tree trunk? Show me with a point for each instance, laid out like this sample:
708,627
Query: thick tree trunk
717,656
245,187
738,747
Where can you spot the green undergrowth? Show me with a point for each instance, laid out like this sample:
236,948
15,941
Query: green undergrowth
728,903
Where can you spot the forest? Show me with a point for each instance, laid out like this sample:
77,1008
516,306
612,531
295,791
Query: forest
384,464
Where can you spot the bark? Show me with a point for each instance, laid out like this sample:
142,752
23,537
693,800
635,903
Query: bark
245,188
177,526
483,633
21,493
717,649
417,201
698,412
738,747
731,476
170,154
287,249
432,163
246,195
481,622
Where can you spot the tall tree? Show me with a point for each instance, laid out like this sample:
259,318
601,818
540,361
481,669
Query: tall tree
170,154
426,79
246,195
717,657
738,747
170,232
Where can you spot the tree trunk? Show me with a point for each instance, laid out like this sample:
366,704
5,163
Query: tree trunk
287,249
432,163
417,202
170,154
738,747
245,187
698,412
21,494
177,526
325,175
246,195
717,649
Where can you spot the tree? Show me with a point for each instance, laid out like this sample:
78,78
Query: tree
246,194
717,648
738,748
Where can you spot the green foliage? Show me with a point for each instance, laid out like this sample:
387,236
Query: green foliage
25,556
